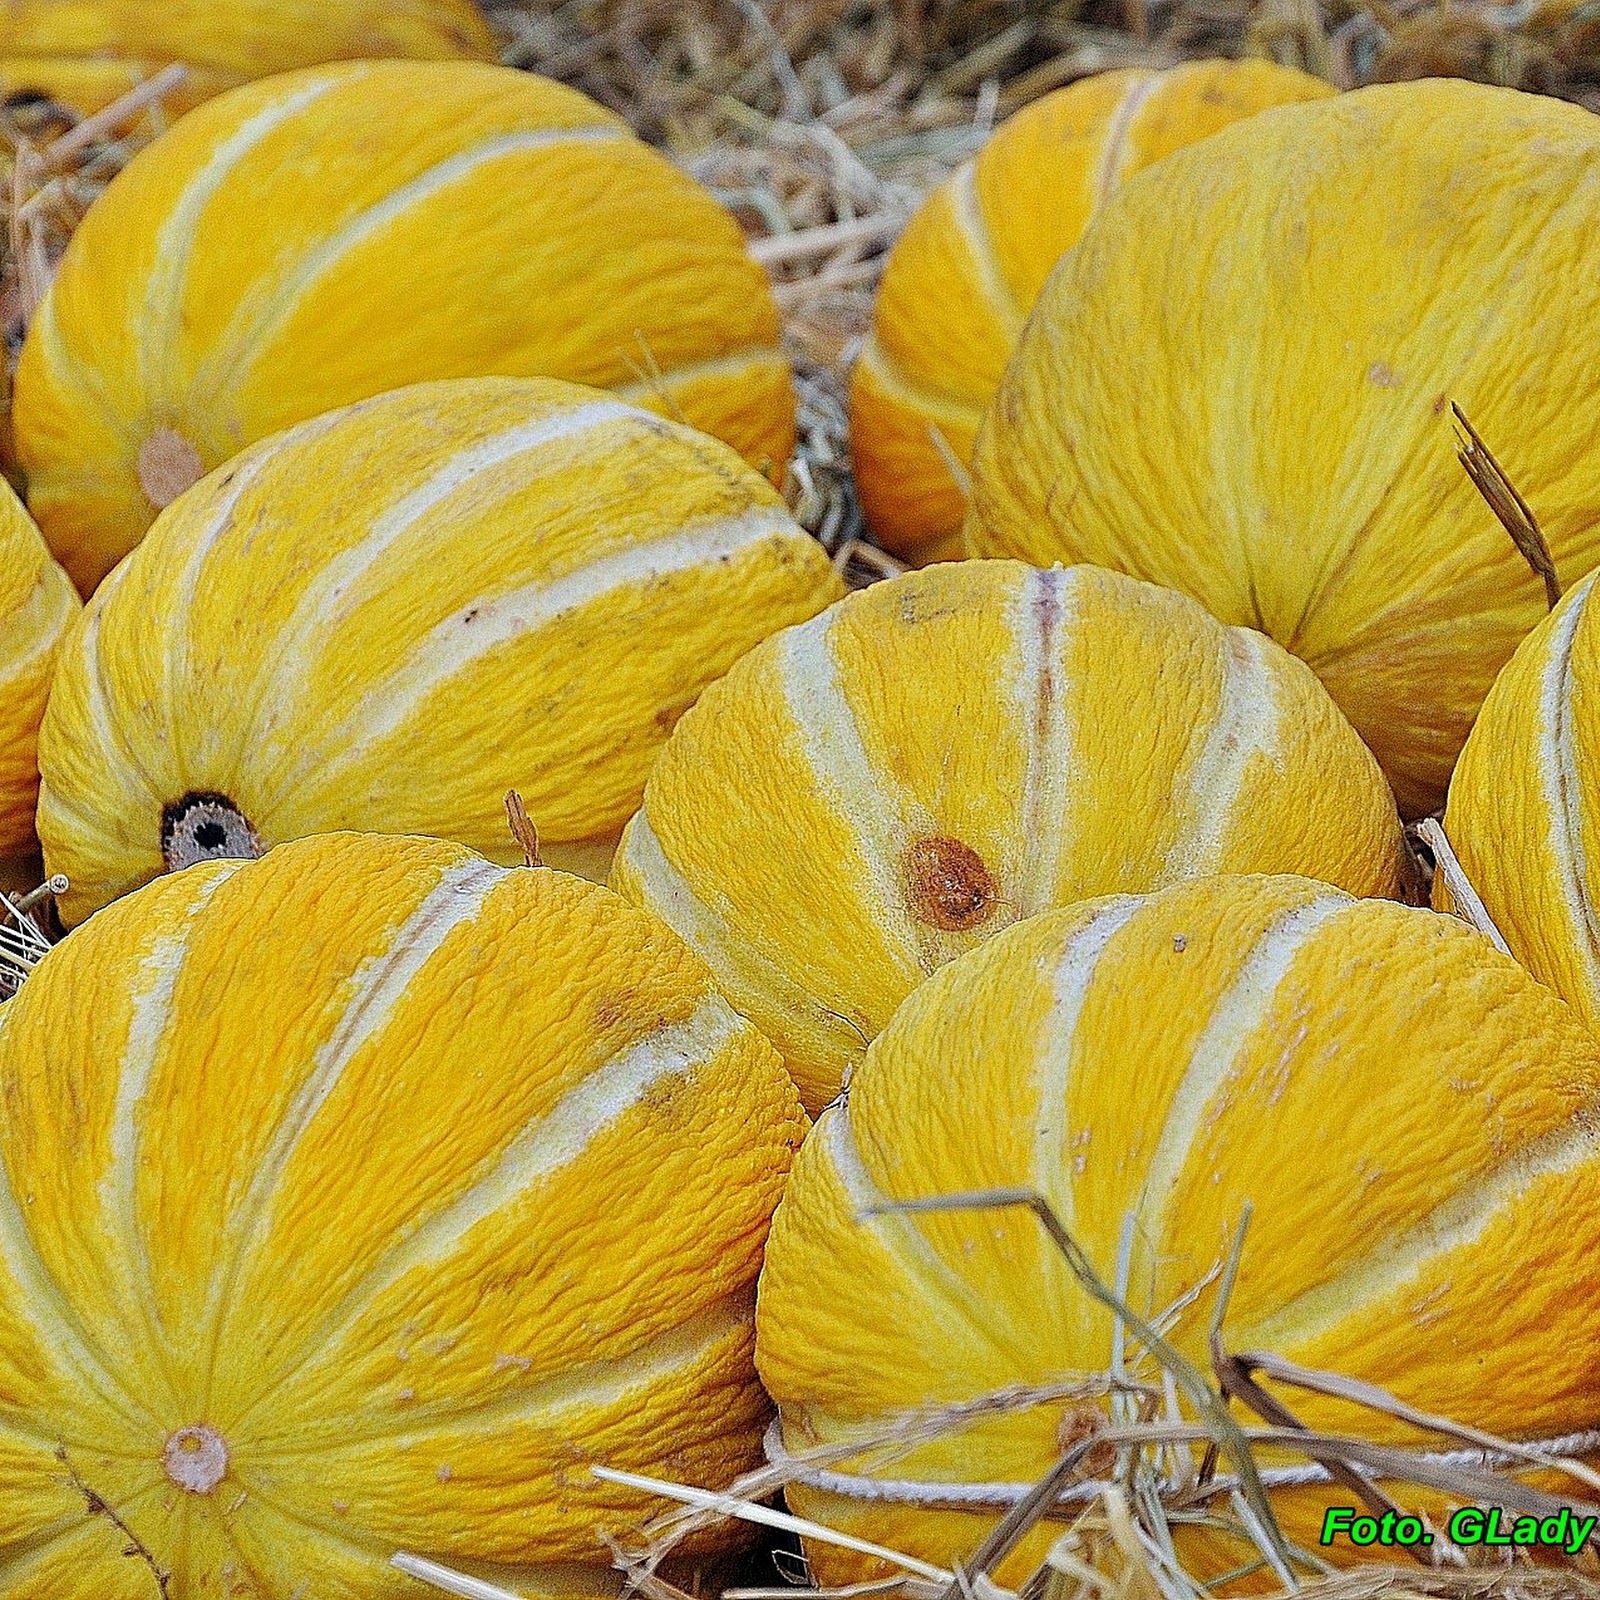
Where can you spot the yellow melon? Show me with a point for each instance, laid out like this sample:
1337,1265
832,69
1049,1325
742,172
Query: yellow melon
390,615
869,795
88,53
1239,383
962,278
37,606
356,1200
321,237
1525,803
1414,1122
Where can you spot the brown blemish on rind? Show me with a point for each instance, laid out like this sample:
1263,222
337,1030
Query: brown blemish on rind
168,464
204,826
1079,1424
196,1458
949,885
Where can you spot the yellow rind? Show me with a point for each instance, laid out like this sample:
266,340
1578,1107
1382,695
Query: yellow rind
489,1168
961,279
1077,732
1233,386
389,616
1401,1108
539,237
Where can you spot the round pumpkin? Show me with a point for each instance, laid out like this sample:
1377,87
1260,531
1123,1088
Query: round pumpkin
89,53
1413,1121
1525,802
389,616
321,237
377,1191
873,793
963,276
37,606
1239,383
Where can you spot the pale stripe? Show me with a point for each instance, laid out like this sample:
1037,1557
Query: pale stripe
548,1144
457,644
968,212
1248,724
586,1388
1563,788
949,410
174,244
1235,1015
1115,151
41,619
1048,607
259,320
151,1020
375,990
865,800
136,795
903,1238
1055,1164
1458,1224
743,957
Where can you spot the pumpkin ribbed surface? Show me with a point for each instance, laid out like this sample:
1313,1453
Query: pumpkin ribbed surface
90,52
875,792
960,282
320,237
1403,1108
388,616
356,1199
37,606
1525,803
1239,383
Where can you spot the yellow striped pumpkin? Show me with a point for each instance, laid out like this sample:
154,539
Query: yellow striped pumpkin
321,237
1413,1121
1239,383
961,280
390,615
88,53
37,606
355,1200
1525,803
869,795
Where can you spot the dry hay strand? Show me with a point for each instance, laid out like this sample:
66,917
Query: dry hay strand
1166,1448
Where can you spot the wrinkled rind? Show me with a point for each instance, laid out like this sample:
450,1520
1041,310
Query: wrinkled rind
963,275
245,38
358,1030
1173,747
1299,475
175,309
37,606
1413,1215
323,674
1522,812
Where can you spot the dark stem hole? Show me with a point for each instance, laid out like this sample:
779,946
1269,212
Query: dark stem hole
206,827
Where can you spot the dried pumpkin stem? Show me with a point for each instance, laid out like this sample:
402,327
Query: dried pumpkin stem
204,826
1497,489
1463,895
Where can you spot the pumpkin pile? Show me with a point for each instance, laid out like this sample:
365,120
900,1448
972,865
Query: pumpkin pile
481,833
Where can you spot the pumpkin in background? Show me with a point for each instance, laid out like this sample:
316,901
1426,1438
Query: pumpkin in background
488,1167
1414,1122
869,795
1525,803
1239,384
321,237
386,617
88,53
37,606
960,282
